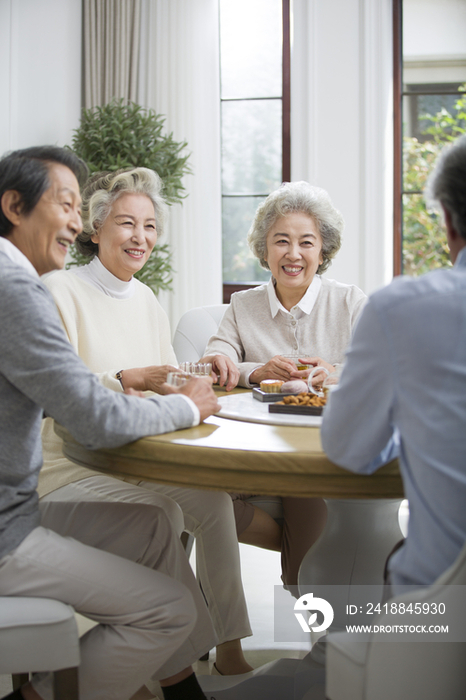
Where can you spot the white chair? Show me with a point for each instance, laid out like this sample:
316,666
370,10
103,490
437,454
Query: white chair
364,667
194,330
192,334
39,634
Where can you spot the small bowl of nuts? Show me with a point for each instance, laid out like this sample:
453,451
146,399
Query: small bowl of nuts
305,403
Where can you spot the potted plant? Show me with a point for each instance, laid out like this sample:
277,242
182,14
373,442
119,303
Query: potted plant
126,135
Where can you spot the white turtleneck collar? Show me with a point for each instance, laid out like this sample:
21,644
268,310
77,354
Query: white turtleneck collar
98,276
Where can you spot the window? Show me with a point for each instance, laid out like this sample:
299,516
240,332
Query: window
255,113
430,110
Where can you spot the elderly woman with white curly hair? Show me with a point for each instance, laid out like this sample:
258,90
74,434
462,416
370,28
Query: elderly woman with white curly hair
295,234
117,326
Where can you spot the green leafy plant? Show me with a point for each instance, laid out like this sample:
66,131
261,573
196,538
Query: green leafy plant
126,135
424,244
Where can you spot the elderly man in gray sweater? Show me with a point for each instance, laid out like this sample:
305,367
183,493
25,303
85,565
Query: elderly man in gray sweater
154,625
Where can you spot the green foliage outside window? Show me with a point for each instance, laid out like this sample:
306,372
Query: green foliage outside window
424,241
126,135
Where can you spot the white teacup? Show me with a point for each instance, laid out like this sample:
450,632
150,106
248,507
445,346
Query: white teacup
329,382
311,387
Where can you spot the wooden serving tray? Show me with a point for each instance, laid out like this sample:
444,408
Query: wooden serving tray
294,408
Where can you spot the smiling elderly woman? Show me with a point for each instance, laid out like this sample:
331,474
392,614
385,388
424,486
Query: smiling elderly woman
295,234
119,329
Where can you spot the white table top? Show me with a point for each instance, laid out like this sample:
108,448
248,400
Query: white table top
246,408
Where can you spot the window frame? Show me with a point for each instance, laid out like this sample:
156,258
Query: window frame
397,137
230,287
398,95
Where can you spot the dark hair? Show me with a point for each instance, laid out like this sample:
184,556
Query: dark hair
27,172
447,183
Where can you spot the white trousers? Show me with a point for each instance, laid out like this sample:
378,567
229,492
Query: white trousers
151,626
208,515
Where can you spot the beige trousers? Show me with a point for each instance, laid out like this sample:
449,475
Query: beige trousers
208,515
150,624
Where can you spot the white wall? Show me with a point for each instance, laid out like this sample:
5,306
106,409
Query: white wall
434,43
342,126
40,72
183,84
433,28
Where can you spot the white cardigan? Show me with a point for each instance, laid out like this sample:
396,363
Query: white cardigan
251,335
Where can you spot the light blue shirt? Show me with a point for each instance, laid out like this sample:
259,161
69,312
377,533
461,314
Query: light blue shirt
403,392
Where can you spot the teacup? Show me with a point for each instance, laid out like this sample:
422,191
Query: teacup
296,359
313,389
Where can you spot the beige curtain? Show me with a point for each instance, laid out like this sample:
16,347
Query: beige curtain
182,78
111,31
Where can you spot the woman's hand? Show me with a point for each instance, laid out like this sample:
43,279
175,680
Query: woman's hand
146,378
156,377
315,362
277,368
224,370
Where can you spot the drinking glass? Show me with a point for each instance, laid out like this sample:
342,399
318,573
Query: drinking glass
177,378
196,369
295,358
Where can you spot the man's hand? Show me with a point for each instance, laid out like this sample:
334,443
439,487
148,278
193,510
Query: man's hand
224,370
199,390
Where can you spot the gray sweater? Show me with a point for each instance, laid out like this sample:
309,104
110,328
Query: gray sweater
40,372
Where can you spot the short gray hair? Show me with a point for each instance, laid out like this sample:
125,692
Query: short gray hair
447,184
103,189
304,198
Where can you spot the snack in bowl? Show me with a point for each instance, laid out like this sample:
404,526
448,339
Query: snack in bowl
303,399
294,386
271,386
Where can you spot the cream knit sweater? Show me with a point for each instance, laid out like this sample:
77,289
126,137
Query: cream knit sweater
108,335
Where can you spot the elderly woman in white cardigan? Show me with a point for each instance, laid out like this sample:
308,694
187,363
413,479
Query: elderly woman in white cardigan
116,325
295,234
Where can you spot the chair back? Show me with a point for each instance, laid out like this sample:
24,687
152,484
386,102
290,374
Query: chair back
192,334
363,667
456,574
194,329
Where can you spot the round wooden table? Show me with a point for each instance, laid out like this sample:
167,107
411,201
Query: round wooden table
234,455
231,455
